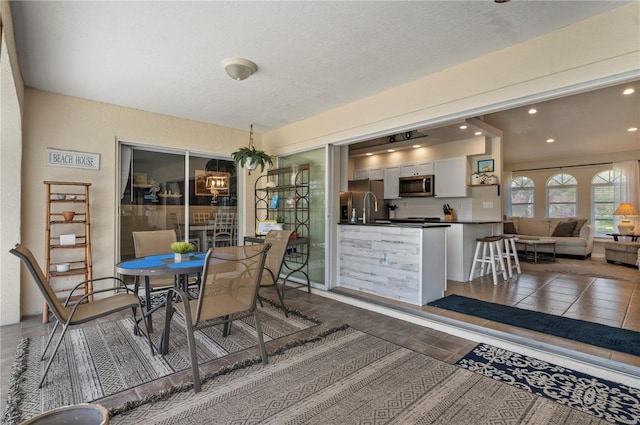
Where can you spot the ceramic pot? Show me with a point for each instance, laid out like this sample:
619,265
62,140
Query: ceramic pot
178,258
68,215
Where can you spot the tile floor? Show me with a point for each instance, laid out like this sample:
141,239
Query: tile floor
611,302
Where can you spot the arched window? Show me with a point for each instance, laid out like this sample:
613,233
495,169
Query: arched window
602,202
562,196
522,197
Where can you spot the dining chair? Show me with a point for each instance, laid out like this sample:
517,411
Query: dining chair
220,230
79,310
153,242
279,239
228,292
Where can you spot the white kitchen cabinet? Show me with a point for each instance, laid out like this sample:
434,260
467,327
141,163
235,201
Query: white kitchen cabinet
392,182
424,168
360,174
419,169
408,170
368,173
376,173
452,175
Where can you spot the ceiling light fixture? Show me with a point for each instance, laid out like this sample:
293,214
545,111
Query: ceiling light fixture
632,129
532,111
369,154
629,91
416,146
390,150
463,127
551,140
238,68
478,133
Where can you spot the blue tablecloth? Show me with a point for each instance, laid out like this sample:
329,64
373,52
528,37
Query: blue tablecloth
186,264
142,264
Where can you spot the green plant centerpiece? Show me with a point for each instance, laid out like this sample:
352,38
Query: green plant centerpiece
280,218
250,157
181,250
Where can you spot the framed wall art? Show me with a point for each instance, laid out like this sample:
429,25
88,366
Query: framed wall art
485,166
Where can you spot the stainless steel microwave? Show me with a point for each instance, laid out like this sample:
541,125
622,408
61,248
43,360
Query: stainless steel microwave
415,186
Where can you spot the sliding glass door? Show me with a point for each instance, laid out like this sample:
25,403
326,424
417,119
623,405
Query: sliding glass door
173,190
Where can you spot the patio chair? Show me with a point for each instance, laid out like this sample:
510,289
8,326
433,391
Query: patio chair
279,240
228,291
79,311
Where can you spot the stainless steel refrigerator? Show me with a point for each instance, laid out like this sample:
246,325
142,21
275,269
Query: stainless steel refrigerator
354,198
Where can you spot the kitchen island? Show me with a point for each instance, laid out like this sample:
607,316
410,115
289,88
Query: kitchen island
400,261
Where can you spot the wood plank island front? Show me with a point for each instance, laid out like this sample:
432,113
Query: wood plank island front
407,263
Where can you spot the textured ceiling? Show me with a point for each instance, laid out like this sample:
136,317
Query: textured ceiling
165,57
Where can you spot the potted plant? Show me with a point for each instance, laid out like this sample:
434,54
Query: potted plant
181,251
280,219
250,157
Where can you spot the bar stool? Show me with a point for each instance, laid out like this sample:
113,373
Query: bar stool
509,253
494,260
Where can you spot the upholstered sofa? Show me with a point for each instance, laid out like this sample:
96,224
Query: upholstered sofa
574,238
622,252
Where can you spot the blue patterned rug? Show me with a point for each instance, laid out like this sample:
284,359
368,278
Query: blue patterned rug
617,339
604,399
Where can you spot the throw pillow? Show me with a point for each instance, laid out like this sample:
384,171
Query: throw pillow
565,229
579,223
509,228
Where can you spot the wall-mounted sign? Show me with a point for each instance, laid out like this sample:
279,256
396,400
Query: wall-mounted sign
72,159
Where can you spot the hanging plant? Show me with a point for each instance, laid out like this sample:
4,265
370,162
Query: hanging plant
250,157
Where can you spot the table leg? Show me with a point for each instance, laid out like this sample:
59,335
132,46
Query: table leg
554,252
535,254
147,300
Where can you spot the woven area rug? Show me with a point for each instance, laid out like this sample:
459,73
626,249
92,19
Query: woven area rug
103,359
617,339
349,377
602,398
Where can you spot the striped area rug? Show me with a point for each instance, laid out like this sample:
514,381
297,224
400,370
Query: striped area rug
349,377
100,360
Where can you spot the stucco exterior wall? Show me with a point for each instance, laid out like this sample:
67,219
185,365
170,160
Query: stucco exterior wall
68,123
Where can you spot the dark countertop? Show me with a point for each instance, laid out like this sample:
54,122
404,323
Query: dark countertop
439,220
389,224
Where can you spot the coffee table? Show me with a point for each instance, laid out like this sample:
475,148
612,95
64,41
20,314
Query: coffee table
535,243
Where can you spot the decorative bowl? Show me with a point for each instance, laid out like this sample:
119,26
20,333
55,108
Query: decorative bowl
68,215
72,197
60,197
63,267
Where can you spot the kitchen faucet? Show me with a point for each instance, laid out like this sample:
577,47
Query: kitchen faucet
364,207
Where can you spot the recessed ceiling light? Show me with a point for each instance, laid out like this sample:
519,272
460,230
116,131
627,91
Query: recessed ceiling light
463,127
632,129
391,150
629,91
551,140
532,111
478,133
369,154
416,146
